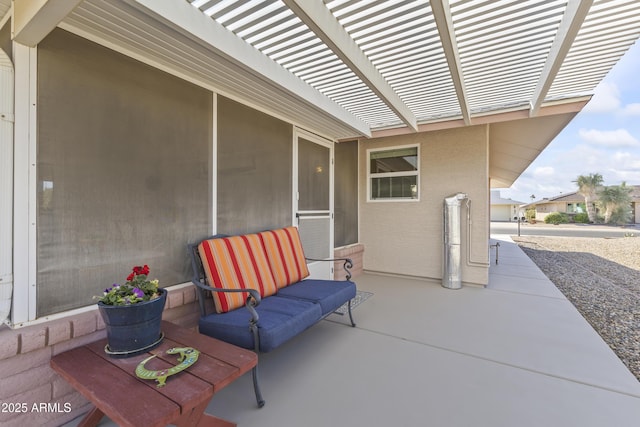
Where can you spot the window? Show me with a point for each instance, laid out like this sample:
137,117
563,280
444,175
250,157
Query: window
576,207
393,174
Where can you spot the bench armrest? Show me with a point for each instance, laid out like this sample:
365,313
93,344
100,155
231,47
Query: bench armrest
347,265
253,300
199,280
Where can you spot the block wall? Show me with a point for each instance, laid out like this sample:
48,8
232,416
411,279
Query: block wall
355,253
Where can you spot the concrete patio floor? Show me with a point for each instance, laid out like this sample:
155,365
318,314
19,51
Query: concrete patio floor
516,353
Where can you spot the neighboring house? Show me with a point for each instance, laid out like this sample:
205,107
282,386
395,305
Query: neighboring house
573,203
131,128
505,209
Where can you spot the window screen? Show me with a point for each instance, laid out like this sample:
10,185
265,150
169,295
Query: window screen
254,169
346,193
123,171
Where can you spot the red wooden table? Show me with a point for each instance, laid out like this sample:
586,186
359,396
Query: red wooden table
115,390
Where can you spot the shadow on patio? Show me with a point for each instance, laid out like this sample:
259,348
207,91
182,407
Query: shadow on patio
514,354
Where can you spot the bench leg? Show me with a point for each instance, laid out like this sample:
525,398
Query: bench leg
256,387
254,372
350,315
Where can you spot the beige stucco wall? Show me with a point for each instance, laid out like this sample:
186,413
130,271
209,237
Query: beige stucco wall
545,209
406,237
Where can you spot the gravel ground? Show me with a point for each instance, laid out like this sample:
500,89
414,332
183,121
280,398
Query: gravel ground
601,278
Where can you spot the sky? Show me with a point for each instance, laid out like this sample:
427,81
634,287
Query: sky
603,138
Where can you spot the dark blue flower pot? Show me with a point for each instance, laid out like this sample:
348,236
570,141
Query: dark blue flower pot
133,329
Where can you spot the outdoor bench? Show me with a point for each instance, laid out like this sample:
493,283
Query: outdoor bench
261,293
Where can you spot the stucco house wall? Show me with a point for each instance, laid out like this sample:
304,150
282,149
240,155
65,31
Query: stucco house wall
406,237
542,210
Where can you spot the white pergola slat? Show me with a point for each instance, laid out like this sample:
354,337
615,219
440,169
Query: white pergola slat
394,62
585,65
574,16
372,65
318,18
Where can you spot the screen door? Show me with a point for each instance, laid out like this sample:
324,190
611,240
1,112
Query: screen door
314,202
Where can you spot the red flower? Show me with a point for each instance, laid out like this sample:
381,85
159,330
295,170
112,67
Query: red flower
138,270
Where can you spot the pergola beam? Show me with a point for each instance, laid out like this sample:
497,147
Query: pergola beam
572,20
33,20
442,15
319,19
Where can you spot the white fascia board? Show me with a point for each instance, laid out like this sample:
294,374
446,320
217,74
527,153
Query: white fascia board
202,29
442,15
320,20
574,16
33,20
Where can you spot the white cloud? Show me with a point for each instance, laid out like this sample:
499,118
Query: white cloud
529,186
613,138
631,109
627,159
606,99
624,166
543,172
629,176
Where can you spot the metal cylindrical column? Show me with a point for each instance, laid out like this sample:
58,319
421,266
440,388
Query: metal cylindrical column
452,275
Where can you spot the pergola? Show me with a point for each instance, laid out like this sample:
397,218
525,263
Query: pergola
349,69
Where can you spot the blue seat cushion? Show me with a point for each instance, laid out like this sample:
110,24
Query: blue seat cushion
330,294
280,320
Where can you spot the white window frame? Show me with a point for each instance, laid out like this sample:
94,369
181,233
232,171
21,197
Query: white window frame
24,203
415,173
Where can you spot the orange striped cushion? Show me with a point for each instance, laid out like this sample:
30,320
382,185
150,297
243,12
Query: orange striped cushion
237,262
284,251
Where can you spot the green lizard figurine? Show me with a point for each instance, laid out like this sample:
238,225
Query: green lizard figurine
187,357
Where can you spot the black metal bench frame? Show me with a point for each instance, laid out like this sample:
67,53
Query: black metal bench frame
253,300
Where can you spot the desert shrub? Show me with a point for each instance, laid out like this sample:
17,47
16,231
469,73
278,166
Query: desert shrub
621,216
581,218
530,214
556,218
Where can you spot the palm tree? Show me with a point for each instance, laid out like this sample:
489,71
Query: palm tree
587,186
616,200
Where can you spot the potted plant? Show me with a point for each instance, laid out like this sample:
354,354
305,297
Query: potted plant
132,313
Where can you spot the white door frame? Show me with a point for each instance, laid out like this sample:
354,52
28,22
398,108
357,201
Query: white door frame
320,270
